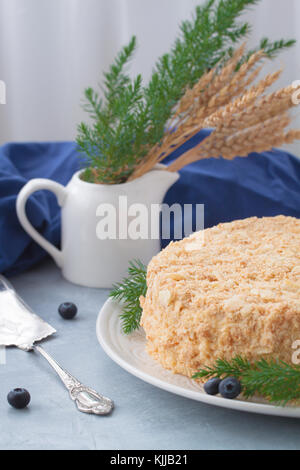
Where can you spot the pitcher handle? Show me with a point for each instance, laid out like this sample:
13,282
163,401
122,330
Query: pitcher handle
32,186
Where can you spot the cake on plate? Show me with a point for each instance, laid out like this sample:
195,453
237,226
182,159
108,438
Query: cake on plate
233,289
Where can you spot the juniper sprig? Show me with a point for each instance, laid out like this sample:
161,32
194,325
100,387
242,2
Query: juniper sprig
132,117
276,381
128,292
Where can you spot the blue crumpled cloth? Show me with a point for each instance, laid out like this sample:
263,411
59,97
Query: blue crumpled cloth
264,184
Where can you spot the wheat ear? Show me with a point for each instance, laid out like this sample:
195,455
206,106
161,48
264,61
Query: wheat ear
254,139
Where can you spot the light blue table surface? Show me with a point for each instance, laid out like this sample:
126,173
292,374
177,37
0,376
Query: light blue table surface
144,417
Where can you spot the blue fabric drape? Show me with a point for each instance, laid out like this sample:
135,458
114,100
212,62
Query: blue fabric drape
264,184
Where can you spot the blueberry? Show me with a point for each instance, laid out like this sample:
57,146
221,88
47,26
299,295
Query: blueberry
230,388
18,398
211,387
67,310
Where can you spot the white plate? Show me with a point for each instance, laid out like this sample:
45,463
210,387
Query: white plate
129,352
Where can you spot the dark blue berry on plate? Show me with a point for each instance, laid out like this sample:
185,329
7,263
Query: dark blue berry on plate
230,388
211,387
67,310
18,398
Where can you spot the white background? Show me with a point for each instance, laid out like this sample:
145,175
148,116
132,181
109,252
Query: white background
50,50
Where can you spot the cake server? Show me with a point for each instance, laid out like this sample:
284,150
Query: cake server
21,327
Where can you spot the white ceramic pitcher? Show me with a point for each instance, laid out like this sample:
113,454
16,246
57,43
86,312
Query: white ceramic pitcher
85,259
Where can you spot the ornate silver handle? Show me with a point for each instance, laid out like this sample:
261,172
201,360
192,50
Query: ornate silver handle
86,399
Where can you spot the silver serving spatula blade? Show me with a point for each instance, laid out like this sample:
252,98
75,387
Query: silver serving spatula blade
21,327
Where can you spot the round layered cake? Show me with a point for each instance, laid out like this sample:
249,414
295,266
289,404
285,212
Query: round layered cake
233,289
